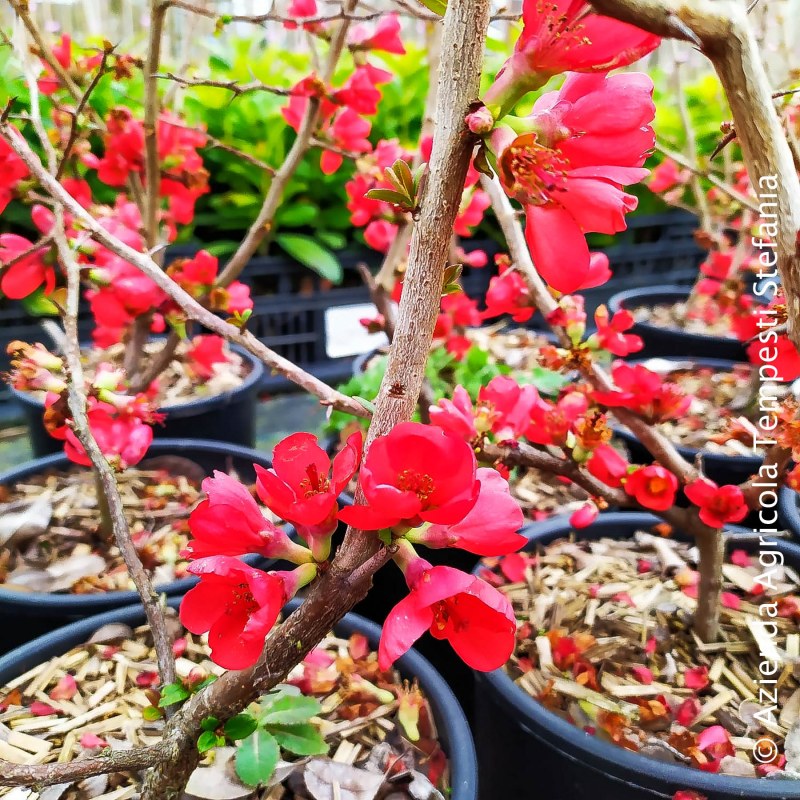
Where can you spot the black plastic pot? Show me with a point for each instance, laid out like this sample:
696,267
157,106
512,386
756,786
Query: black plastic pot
228,417
673,341
527,752
451,725
789,511
720,468
29,614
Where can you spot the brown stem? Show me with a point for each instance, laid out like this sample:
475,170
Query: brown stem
152,172
464,30
107,484
711,547
106,528
157,365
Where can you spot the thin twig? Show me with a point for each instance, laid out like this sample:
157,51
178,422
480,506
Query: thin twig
231,86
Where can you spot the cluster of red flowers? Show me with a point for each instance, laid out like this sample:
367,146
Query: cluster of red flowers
421,485
121,423
569,159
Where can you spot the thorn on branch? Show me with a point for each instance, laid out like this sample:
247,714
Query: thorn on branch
682,31
730,135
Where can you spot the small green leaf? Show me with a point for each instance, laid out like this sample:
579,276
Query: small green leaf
209,724
257,757
369,405
389,196
207,740
437,6
295,215
38,305
302,740
312,255
290,710
403,172
240,726
173,693
151,713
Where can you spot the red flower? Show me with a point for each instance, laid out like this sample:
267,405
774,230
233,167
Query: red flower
551,423
237,605
28,274
782,354
508,293
301,487
348,132
360,93
123,439
508,406
696,679
489,529
608,466
62,52
654,487
560,36
385,36
474,617
12,171
456,416
666,176
205,352
413,474
686,794
611,332
584,516
718,504
715,744
643,391
582,145
229,523
379,234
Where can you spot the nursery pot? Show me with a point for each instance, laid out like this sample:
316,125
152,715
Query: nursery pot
721,468
450,723
29,614
659,341
227,417
528,753
789,511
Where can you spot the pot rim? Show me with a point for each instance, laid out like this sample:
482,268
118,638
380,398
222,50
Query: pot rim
43,603
612,760
449,716
252,381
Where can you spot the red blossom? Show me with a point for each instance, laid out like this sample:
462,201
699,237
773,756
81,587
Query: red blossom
611,334
506,407
583,144
718,505
666,176
385,36
416,473
654,487
456,415
564,35
229,523
12,171
28,274
584,516
489,529
696,679
237,606
551,423
303,485
474,617
608,466
508,293
643,391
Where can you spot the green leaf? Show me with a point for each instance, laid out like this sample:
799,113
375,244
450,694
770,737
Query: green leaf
151,713
257,757
389,196
207,740
173,693
437,6
368,404
38,305
295,215
240,726
311,254
333,239
290,710
403,172
209,724
302,740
